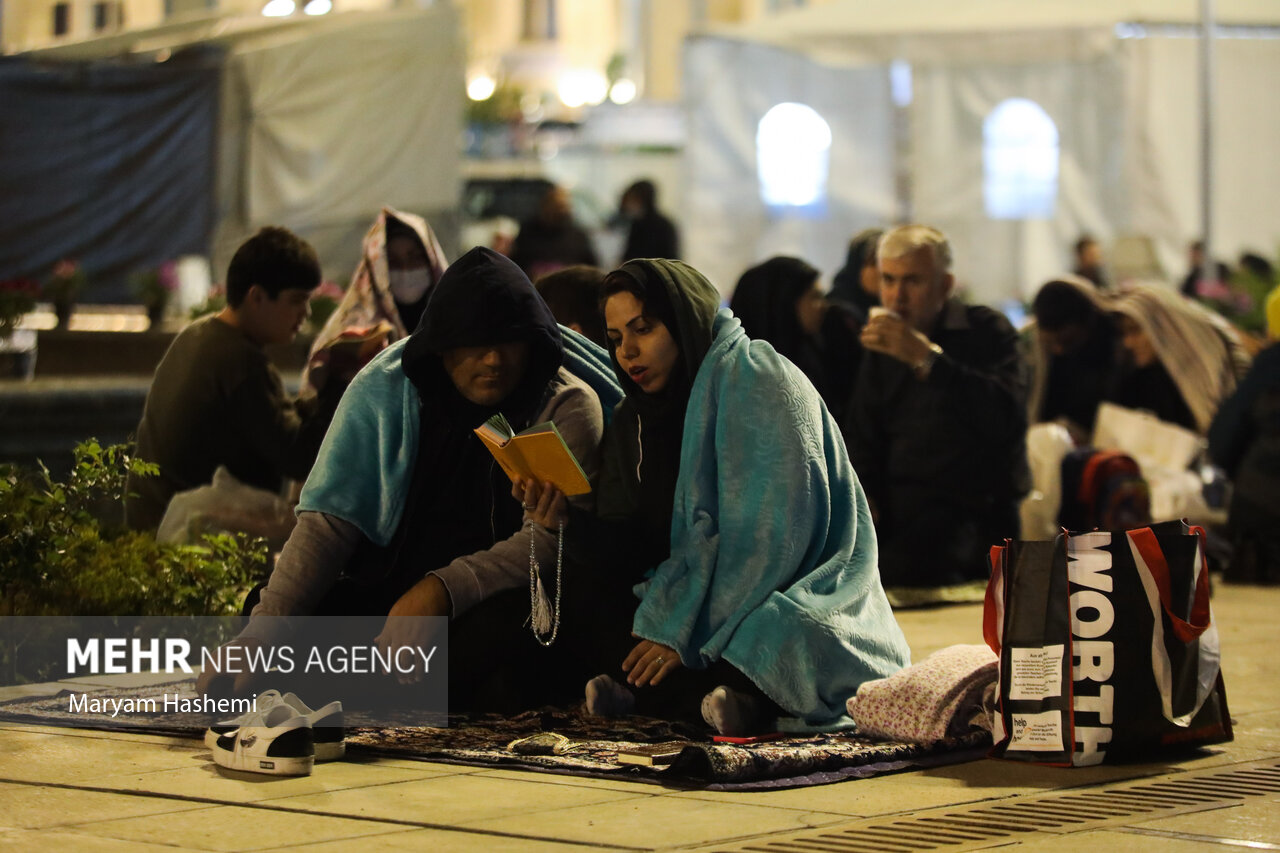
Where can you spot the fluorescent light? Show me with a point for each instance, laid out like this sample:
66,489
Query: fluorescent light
318,7
578,88
279,8
623,91
481,87
793,148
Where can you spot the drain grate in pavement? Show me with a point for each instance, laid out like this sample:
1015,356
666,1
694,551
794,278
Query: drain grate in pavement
998,823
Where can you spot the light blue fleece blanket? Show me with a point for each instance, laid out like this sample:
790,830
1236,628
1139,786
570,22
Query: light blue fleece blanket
773,553
365,463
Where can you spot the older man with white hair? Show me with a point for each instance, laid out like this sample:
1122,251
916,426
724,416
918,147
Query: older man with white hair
936,426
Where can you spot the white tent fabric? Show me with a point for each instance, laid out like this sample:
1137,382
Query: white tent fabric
324,125
323,120
998,258
1164,148
1125,108
953,31
729,86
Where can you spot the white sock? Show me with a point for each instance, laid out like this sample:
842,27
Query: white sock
608,698
731,713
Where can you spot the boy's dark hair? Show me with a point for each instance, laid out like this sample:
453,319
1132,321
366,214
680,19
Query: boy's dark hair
571,294
276,260
1084,242
1059,305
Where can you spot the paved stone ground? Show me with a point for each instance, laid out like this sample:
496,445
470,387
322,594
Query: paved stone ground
84,790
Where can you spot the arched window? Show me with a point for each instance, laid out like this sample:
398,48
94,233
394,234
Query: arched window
793,151
1019,161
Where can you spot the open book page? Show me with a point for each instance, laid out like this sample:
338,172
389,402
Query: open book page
537,453
496,430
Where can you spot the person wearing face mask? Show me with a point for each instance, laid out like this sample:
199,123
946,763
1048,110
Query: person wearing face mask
399,262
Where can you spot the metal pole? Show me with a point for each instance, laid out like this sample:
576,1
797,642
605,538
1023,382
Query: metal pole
1208,269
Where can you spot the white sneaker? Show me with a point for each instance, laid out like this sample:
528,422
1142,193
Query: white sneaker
326,723
277,742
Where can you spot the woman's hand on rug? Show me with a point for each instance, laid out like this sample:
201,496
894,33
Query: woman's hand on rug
649,663
543,502
239,678
407,624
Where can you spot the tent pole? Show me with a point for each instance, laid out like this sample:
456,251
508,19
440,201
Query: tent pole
1208,270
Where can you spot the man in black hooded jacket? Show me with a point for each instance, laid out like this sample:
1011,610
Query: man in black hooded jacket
486,344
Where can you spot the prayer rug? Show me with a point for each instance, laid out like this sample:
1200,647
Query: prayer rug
563,740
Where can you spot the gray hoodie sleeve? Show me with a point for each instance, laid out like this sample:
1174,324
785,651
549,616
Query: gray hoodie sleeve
470,579
318,550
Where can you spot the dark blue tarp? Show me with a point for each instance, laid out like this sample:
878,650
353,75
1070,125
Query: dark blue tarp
109,163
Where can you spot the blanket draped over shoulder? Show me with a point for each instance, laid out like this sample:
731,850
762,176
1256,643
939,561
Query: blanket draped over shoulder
376,429
773,552
1203,353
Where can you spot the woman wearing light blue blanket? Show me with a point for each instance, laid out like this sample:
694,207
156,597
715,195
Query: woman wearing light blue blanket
726,496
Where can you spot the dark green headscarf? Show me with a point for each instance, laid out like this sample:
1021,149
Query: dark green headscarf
642,444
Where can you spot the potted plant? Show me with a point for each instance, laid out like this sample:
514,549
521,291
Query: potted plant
17,347
154,288
17,297
63,287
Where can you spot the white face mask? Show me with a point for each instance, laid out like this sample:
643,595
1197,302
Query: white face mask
408,286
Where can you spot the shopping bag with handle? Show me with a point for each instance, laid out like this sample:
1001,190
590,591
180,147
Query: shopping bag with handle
1108,649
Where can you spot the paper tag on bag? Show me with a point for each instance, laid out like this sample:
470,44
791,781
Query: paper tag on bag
1035,673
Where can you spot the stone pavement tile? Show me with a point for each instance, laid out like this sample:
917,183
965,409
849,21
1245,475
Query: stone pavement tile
441,768
1256,819
231,828
967,783
1107,840
665,821
209,781
1223,755
42,841
445,841
931,628
923,789
72,756
1258,730
624,785
40,806
451,800
138,735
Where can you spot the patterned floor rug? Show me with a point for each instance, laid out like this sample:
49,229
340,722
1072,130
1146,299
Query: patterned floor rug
561,740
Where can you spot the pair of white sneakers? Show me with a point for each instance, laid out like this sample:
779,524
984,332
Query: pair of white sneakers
282,737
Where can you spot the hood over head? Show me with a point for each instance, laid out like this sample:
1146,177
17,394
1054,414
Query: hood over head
484,298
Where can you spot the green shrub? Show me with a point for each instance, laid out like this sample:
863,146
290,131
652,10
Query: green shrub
58,557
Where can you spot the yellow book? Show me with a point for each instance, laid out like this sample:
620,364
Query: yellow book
537,453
